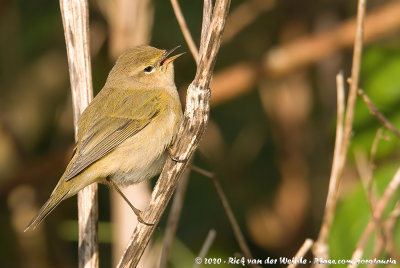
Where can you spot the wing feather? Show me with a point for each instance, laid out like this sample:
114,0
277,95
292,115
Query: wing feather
102,136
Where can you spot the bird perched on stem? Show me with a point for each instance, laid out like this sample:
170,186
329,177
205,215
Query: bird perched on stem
125,133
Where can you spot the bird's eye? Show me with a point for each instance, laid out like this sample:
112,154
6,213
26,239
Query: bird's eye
148,69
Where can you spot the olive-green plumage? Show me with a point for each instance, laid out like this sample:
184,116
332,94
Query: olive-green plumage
124,132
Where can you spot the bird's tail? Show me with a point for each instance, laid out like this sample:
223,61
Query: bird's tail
59,194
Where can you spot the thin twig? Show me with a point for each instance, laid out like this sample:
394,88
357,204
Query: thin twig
375,112
376,217
193,126
355,74
206,246
229,213
185,30
301,252
321,245
75,15
173,218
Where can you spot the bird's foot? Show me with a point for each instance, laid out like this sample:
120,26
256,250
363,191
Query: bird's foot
137,212
174,158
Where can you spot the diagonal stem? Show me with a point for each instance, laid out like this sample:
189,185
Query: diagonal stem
185,30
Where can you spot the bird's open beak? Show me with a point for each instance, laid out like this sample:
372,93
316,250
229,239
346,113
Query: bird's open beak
165,60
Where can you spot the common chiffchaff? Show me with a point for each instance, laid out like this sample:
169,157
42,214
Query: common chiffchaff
125,132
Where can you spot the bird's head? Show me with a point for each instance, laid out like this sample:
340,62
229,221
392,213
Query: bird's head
144,66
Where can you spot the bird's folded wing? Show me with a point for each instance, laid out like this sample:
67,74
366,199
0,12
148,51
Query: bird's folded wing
107,132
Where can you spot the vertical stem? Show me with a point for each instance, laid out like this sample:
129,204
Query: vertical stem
321,247
75,20
355,74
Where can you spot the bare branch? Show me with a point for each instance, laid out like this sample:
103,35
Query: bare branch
355,74
302,251
229,213
320,248
185,30
76,28
206,246
375,112
194,124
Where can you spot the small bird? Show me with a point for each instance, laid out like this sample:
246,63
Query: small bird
125,133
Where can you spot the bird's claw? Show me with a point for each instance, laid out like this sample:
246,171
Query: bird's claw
174,158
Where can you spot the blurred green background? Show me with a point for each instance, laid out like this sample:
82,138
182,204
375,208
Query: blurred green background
270,139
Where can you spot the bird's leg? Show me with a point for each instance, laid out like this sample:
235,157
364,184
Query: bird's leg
137,212
174,158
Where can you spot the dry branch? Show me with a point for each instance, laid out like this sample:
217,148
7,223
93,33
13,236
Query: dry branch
206,246
185,30
194,124
75,16
229,213
375,112
321,247
302,252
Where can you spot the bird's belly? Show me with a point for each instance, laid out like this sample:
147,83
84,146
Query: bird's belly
139,174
